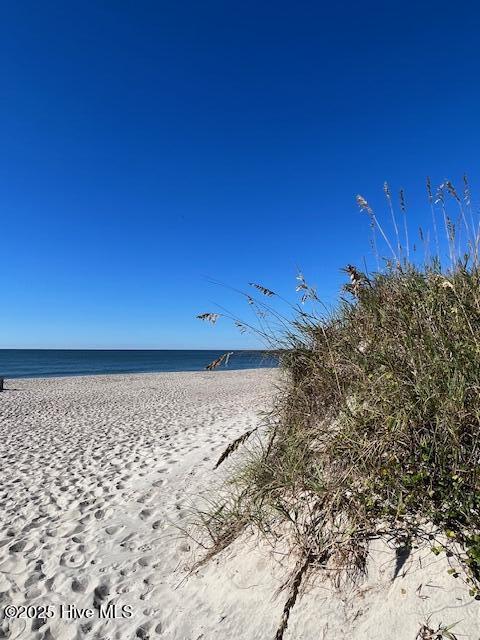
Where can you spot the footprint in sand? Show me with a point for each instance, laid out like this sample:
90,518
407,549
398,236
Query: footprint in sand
37,623
79,585
18,547
100,594
142,632
112,530
73,560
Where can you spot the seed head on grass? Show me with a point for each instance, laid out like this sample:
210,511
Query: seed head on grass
209,317
218,361
233,446
263,290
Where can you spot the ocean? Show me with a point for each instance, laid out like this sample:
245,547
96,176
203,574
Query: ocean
36,363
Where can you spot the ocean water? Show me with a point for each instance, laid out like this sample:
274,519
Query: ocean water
34,363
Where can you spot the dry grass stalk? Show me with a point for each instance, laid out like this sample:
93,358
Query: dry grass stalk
233,446
209,317
441,632
264,290
294,590
218,361
221,543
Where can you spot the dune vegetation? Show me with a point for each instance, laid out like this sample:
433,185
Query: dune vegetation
376,427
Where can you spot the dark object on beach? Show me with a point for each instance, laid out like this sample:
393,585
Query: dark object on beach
2,380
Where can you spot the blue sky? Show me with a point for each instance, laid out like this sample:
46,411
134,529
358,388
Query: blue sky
150,146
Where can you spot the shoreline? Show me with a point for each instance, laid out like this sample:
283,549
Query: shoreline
115,374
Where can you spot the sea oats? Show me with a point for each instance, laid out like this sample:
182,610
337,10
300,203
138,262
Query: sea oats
233,446
264,290
209,317
218,361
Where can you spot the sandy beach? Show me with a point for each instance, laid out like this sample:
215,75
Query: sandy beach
97,475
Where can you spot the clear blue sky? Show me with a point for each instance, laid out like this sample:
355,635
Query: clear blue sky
148,146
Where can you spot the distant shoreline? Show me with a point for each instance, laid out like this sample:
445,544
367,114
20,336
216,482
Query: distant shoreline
59,363
101,349
134,374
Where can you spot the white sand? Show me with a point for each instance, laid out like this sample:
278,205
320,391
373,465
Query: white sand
96,474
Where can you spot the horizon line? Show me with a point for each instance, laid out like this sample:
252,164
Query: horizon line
127,349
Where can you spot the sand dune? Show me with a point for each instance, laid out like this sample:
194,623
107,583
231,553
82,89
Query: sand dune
96,475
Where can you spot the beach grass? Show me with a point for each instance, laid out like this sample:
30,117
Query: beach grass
376,429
